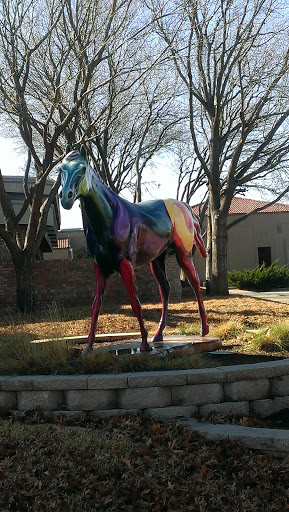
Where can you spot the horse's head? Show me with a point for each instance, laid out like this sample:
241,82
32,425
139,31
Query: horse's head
73,168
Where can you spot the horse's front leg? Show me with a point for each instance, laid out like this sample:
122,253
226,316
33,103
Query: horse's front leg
128,277
100,287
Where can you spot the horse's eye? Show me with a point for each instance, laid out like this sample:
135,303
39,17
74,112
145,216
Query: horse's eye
80,175
77,181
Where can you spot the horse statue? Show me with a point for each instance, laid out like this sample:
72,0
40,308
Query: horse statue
121,235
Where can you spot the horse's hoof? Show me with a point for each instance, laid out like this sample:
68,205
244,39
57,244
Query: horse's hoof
145,348
205,330
87,350
157,337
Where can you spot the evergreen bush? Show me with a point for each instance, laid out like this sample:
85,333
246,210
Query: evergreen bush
261,278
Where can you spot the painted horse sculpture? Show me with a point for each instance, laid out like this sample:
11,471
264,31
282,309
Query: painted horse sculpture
121,235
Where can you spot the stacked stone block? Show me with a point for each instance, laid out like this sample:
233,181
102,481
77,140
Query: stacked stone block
260,388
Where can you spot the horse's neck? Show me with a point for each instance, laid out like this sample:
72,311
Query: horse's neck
96,202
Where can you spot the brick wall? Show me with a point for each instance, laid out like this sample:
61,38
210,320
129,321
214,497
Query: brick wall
7,285
71,282
4,253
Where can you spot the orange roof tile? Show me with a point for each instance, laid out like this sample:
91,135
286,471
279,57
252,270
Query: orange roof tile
242,205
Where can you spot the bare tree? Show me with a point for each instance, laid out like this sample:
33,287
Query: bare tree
190,175
232,59
138,120
156,125
72,72
54,57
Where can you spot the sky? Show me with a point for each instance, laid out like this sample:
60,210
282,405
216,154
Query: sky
163,182
12,162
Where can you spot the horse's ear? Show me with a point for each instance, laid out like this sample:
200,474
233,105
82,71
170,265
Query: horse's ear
83,152
68,148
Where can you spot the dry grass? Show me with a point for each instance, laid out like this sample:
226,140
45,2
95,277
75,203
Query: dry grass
238,311
232,319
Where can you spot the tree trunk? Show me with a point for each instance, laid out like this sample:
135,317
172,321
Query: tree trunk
25,283
138,197
209,256
218,278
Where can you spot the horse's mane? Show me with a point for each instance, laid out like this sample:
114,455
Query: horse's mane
72,155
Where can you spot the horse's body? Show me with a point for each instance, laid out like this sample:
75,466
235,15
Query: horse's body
121,235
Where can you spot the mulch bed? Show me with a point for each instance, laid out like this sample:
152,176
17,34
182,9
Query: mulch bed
132,464
278,420
223,358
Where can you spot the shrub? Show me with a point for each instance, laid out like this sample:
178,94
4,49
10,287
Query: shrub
260,278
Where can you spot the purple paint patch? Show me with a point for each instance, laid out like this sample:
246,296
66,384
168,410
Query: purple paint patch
121,222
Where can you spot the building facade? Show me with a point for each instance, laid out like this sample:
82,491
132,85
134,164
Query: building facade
261,237
14,189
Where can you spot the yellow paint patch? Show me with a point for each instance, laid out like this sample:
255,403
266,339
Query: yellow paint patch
178,219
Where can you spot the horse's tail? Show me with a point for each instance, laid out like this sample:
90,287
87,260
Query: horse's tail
198,240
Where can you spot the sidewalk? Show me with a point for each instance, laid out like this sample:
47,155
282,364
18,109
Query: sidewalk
279,295
275,441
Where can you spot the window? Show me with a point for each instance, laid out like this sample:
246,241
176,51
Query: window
264,256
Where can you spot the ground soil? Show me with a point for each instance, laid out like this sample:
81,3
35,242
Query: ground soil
138,464
278,420
227,358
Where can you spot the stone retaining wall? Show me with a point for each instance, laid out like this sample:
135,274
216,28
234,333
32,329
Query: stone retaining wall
261,388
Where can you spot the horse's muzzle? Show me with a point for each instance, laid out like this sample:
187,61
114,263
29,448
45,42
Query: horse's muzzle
67,198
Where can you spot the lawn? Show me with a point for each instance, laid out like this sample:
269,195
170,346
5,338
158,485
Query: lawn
245,325
224,315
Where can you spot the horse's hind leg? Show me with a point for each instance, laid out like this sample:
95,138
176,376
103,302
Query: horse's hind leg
128,277
158,269
188,267
100,287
